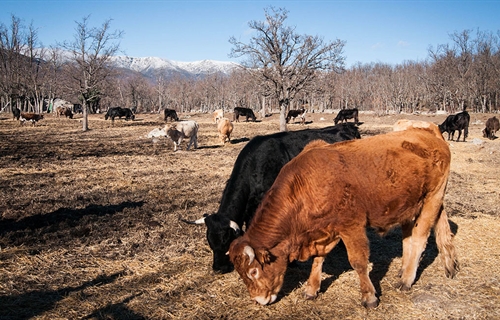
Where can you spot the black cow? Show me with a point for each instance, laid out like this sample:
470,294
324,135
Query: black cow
296,113
347,114
245,112
119,112
492,126
254,171
170,113
459,121
77,108
16,113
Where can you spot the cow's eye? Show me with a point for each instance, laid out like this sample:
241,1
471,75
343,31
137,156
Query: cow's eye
253,273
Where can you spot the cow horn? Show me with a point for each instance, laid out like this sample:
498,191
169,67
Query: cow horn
199,221
250,253
234,226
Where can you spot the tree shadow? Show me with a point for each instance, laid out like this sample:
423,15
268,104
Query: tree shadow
34,303
37,225
116,311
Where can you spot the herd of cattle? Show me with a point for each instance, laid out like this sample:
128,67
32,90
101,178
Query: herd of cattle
298,193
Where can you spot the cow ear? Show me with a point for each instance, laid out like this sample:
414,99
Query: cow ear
253,273
264,256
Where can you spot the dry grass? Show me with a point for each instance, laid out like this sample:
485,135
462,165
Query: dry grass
90,229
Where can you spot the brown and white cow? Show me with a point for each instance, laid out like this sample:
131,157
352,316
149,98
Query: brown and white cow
333,192
225,128
30,117
218,115
178,131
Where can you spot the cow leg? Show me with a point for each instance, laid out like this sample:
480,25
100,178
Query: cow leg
445,245
356,243
314,281
418,240
459,134
406,228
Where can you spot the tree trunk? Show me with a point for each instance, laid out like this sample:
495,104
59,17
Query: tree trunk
283,118
85,119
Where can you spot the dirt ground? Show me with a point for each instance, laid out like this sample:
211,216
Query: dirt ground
90,228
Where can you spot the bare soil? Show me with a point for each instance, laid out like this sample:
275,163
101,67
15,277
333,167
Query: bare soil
90,229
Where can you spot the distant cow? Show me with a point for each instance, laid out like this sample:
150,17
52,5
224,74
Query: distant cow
77,108
245,112
345,114
292,114
30,117
119,112
254,171
333,192
170,113
64,111
179,131
225,128
217,115
492,126
459,121
16,113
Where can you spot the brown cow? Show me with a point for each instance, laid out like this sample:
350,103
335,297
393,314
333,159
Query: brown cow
225,128
492,126
64,111
30,117
333,192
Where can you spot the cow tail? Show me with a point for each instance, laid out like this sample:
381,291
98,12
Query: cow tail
444,241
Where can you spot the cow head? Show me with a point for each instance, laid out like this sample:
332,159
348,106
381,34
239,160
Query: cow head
262,272
220,233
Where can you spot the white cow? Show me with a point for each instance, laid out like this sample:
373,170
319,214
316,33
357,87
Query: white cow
183,129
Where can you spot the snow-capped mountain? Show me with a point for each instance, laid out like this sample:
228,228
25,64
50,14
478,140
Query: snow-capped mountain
153,66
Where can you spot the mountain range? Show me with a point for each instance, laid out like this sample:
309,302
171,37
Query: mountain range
153,67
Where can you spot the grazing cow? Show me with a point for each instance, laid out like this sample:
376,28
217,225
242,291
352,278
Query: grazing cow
334,192
119,112
225,128
345,114
492,126
30,117
245,112
459,121
301,113
16,113
64,111
181,130
217,115
258,163
170,113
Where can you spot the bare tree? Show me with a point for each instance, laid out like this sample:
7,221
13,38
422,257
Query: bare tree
284,61
91,52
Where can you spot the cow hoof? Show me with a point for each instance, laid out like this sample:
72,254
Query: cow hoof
309,296
370,304
404,287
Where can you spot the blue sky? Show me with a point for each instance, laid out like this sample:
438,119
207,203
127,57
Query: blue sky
374,31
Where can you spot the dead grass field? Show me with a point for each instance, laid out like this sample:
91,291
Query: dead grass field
90,229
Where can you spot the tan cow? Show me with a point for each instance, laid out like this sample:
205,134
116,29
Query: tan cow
217,115
225,128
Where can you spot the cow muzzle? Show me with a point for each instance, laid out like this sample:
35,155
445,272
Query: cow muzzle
265,300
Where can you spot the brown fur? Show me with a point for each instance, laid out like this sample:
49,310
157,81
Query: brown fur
333,192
